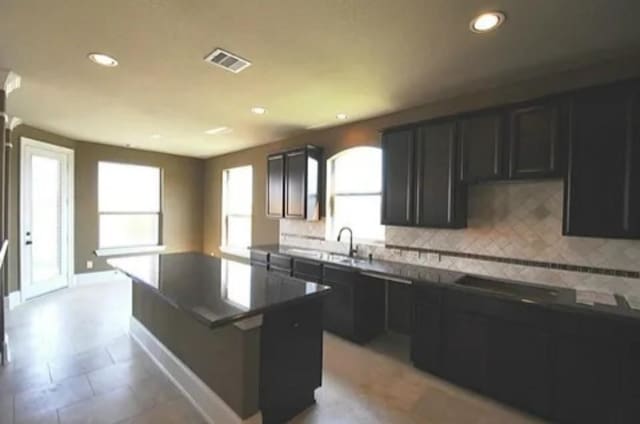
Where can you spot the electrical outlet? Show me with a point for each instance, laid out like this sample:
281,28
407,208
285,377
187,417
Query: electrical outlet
89,264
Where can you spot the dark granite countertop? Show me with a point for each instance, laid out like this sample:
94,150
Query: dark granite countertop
417,274
397,270
216,291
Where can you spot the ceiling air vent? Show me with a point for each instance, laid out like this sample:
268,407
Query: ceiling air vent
227,60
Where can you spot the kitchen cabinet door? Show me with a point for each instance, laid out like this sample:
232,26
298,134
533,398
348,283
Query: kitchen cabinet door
441,201
397,177
275,186
426,336
630,399
519,366
295,184
534,141
339,308
482,147
602,189
464,349
586,374
399,307
355,307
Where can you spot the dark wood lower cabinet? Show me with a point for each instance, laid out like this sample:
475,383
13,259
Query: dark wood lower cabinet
426,336
586,375
290,360
464,348
399,311
564,366
630,374
355,307
519,366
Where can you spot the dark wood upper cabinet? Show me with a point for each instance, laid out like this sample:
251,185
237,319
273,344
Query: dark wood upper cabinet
420,187
293,184
275,186
602,189
398,177
534,141
482,147
440,201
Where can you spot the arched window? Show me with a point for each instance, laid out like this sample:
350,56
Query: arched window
354,193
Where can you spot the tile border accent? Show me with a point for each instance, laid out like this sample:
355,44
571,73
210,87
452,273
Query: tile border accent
525,262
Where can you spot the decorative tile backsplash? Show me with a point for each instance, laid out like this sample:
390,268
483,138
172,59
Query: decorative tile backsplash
514,231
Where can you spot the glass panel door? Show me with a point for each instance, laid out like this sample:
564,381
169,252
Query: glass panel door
45,225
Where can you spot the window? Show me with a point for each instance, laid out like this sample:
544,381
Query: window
129,205
354,193
236,209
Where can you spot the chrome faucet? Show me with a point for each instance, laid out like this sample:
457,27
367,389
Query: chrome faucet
352,251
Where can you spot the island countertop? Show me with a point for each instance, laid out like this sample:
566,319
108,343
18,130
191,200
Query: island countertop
215,291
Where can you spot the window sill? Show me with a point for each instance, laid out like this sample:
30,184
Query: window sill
118,251
234,251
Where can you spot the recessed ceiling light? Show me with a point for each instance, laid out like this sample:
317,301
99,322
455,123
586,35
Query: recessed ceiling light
156,136
103,59
487,22
341,116
218,131
258,110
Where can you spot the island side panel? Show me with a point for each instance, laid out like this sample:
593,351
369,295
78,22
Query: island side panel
226,358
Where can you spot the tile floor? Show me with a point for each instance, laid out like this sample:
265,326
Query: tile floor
73,362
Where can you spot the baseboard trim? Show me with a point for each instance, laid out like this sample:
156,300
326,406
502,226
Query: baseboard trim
206,401
98,277
6,350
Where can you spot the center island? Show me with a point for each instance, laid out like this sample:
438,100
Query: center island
244,344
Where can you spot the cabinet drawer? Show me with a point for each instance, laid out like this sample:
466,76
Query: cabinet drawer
339,275
308,269
280,261
282,271
257,256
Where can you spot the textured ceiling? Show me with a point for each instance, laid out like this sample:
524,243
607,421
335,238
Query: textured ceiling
311,60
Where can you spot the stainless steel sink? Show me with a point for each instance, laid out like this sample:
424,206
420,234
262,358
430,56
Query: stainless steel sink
524,292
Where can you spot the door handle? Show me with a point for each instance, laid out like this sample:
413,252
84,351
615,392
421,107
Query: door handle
28,242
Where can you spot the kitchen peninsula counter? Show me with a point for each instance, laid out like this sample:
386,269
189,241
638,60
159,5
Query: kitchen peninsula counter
254,338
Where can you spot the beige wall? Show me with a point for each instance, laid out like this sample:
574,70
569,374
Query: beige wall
182,196
366,132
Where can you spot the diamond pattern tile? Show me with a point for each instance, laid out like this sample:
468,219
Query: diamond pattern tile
511,220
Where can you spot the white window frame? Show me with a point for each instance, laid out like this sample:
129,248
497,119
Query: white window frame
224,233
331,231
124,250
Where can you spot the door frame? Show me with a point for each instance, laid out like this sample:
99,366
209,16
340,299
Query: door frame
69,153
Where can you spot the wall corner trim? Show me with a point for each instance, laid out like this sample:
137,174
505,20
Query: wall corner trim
210,405
10,80
13,300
